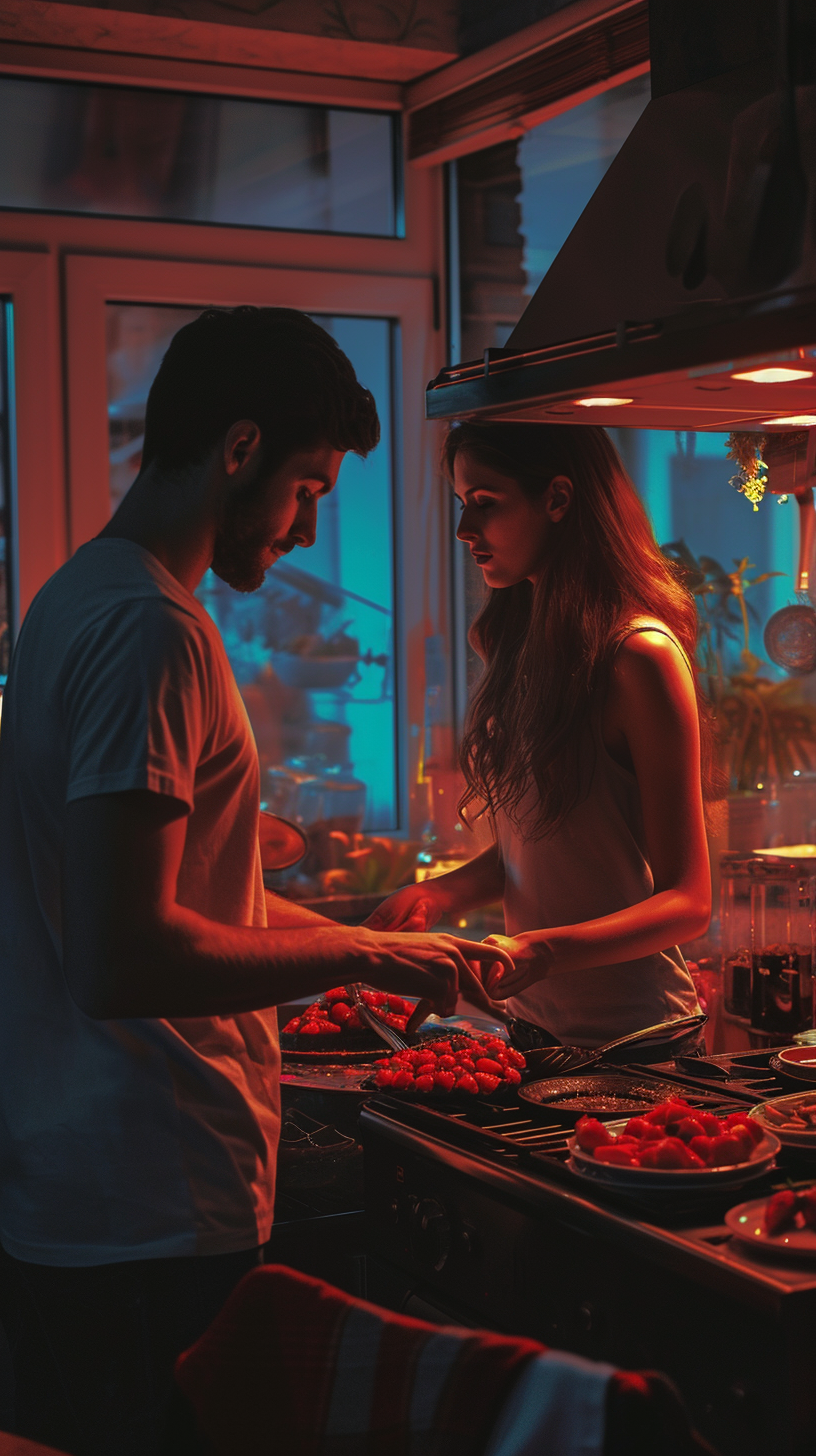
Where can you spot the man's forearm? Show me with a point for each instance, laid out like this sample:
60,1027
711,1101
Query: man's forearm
289,915
190,966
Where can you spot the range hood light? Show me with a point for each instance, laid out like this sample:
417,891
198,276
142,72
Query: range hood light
802,421
776,375
606,402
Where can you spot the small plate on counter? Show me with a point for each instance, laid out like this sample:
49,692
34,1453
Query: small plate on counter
747,1224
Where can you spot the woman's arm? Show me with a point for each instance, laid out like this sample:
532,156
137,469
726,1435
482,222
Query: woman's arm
418,907
652,711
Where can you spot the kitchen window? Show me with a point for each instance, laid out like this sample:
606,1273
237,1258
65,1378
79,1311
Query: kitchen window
514,205
171,155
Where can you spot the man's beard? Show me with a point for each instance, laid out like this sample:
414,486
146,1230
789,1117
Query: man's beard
241,552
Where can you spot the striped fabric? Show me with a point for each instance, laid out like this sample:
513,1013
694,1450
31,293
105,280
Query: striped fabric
292,1366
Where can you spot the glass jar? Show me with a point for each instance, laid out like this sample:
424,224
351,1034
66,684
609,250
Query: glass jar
735,921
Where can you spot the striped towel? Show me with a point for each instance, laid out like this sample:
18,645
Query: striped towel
292,1367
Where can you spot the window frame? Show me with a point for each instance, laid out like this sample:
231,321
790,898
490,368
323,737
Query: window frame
37,507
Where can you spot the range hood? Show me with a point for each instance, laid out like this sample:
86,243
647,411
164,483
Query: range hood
694,262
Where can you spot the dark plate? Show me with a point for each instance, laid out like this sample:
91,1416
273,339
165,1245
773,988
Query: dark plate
565,1099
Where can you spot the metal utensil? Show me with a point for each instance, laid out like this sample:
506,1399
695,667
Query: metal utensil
387,1034
420,1013
726,1093
563,1059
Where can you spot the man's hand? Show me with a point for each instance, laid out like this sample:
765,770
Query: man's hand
435,967
412,908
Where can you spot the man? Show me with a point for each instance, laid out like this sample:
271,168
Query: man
138,1054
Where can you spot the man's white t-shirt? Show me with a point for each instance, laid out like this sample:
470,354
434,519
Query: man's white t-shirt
127,1139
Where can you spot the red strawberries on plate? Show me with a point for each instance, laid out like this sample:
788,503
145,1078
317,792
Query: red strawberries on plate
672,1136
333,1020
455,1065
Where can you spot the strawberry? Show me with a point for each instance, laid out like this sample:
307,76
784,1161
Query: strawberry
465,1064
487,1064
780,1211
712,1126
353,1022
310,1028
807,1205
591,1134
446,1060
340,1012
689,1128
744,1139
327,1028
444,1080
637,1127
337,993
512,1075
621,1157
467,1084
726,1150
384,1077
669,1153
425,1082
516,1059
744,1120
487,1081
399,1023
402,1079
703,1146
292,1026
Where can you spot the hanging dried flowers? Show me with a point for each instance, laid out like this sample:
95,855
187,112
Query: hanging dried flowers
752,477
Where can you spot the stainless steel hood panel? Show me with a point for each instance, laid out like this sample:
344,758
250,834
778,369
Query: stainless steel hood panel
703,232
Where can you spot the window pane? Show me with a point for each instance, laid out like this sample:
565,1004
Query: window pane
313,650
518,202
169,155
6,449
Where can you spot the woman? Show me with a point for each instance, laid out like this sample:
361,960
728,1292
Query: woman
583,740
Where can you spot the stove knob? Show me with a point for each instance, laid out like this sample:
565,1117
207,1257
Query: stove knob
431,1233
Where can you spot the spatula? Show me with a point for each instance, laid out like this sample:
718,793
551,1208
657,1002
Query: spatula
558,1060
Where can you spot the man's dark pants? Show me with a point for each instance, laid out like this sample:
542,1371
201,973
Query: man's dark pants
93,1349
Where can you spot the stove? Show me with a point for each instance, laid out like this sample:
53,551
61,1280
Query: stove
476,1219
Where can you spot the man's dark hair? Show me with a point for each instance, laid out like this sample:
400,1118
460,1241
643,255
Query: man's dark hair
274,366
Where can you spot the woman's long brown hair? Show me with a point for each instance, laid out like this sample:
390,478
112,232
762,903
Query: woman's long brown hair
546,650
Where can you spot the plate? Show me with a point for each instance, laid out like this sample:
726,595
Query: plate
788,1139
745,1223
798,1061
568,1098
733,1176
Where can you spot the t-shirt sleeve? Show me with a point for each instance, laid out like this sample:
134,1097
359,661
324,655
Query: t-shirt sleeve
139,704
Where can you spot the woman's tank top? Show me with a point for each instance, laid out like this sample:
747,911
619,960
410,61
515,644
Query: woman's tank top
594,864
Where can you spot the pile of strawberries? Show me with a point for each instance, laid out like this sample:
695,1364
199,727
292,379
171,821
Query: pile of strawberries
672,1135
790,1210
334,1015
460,1065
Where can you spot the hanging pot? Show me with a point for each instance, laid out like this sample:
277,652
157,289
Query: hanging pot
790,634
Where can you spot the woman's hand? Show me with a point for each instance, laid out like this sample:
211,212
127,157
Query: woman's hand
415,907
531,963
